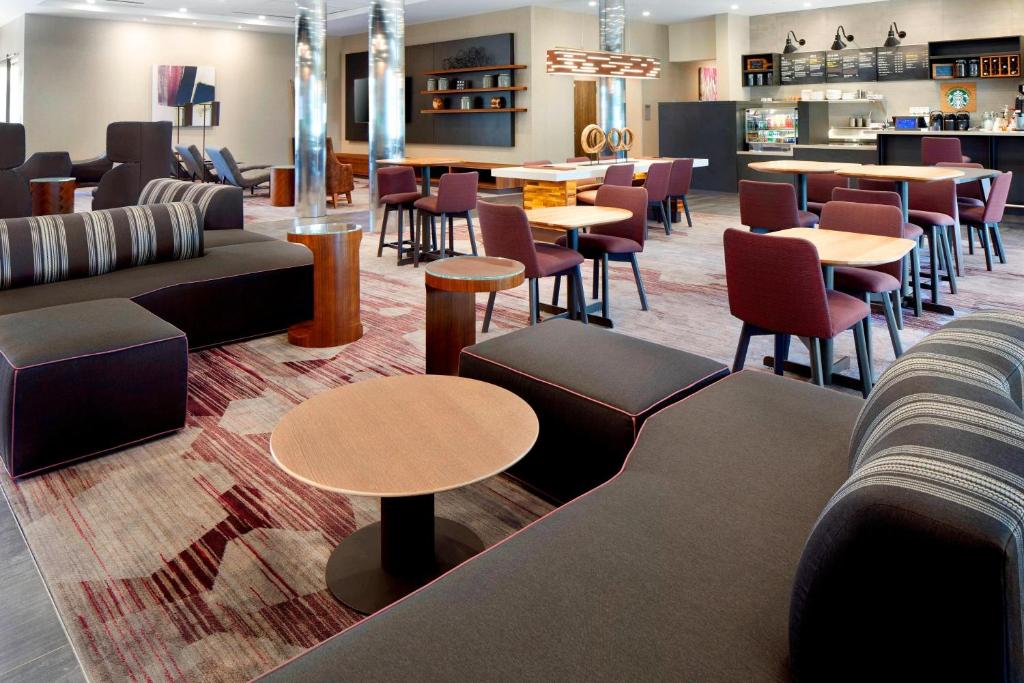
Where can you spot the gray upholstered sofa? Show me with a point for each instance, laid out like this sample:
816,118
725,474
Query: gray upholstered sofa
762,529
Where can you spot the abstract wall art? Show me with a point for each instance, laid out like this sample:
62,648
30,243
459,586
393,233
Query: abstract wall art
707,83
185,95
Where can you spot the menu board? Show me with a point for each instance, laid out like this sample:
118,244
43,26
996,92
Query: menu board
850,65
903,63
803,68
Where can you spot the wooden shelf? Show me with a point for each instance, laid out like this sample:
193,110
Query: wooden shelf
516,88
473,69
507,110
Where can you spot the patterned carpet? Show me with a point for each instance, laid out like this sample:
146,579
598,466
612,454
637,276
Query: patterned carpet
195,558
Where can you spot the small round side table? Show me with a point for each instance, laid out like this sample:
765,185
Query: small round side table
452,285
282,186
52,196
336,310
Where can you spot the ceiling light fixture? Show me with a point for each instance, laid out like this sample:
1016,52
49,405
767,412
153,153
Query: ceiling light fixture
263,17
895,35
592,3
839,43
183,9
570,61
734,7
646,13
790,46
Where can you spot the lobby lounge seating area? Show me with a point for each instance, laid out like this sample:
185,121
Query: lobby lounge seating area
735,392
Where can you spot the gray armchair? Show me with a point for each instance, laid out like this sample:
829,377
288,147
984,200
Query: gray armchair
89,172
142,151
46,165
15,197
229,172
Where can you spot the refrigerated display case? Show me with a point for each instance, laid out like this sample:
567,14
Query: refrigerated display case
771,129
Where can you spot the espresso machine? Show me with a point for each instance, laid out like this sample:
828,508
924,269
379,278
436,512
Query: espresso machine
1019,106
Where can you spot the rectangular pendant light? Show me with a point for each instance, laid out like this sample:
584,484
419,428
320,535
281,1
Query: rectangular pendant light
569,61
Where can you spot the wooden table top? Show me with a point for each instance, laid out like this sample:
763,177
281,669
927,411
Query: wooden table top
404,436
839,248
924,174
474,274
796,166
574,217
325,228
418,162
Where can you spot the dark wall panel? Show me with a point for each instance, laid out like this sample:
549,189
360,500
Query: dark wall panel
708,130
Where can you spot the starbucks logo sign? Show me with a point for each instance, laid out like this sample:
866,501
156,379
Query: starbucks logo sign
958,98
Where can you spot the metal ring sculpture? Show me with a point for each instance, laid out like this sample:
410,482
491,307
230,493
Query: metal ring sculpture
593,139
620,139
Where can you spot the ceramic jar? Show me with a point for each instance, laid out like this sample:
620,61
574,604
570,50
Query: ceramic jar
431,84
504,80
488,81
465,102
443,84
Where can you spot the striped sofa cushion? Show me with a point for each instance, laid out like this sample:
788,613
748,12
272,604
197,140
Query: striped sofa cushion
221,204
44,249
924,543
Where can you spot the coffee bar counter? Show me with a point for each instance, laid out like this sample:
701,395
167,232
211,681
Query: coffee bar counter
844,153
991,149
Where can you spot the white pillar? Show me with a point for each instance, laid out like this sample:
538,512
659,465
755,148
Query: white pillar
611,98
310,109
387,88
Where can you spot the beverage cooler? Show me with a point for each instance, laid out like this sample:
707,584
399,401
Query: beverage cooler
771,129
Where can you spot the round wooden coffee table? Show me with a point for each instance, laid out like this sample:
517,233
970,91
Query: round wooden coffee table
52,196
336,305
452,432
282,186
452,285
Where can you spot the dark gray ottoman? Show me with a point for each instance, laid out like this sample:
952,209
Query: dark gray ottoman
80,379
592,389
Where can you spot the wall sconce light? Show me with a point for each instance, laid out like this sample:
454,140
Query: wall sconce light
790,39
895,35
839,43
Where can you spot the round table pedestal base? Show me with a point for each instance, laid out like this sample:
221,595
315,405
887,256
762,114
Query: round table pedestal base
356,578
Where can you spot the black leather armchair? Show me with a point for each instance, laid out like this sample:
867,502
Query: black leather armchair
142,152
15,197
46,165
89,172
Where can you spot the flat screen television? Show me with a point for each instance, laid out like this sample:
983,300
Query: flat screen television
361,100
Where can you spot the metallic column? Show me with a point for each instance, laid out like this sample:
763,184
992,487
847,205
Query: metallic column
611,105
310,108
387,88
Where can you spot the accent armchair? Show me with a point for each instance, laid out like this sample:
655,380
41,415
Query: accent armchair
142,152
15,197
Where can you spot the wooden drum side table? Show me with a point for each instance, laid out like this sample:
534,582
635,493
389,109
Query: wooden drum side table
52,196
282,186
452,285
336,306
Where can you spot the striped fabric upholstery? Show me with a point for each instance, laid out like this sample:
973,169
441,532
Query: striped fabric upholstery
924,543
44,249
221,205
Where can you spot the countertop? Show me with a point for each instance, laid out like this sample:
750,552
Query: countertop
989,133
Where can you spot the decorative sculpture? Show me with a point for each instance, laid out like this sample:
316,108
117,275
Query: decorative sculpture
594,140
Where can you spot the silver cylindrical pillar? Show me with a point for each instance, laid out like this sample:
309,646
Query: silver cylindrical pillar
310,108
611,106
387,88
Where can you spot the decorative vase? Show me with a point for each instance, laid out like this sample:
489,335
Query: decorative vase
466,102
497,103
437,103
443,83
488,81
431,84
504,80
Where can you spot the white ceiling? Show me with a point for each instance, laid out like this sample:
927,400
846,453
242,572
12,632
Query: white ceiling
346,17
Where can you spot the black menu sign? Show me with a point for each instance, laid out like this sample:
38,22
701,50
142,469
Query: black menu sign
903,63
803,68
850,65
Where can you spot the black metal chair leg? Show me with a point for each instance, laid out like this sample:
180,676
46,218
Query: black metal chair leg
472,236
401,233
664,218
863,359
867,328
384,230
781,353
741,348
581,298
558,286
915,265
997,239
817,375
890,319
686,208
986,246
947,255
534,301
442,252
639,282
451,232
417,235
490,310
605,306
597,275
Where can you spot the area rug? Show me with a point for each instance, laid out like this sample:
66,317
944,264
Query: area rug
194,558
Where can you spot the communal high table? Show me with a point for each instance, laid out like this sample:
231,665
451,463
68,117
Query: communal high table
801,169
840,248
424,164
451,432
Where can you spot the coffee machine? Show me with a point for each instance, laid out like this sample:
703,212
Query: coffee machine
949,121
1019,105
935,120
963,121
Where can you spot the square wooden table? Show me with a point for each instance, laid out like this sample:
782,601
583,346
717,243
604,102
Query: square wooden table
801,169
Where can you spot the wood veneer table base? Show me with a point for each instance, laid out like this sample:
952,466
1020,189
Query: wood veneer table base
451,327
336,304
282,186
52,197
387,560
539,194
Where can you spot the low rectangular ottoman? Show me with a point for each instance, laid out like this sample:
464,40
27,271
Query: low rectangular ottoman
591,388
81,379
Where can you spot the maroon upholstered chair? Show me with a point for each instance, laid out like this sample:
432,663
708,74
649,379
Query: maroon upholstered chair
882,282
933,207
455,198
656,184
397,189
506,232
936,149
767,207
877,185
967,194
985,219
819,189
620,241
618,175
776,288
679,186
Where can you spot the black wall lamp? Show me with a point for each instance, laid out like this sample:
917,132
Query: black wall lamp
895,35
790,47
838,43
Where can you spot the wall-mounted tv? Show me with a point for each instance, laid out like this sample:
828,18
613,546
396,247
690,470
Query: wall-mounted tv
361,100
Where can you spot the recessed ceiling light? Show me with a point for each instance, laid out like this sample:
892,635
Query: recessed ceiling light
807,4
91,2
145,19
592,3
183,9
646,13
734,6
195,23
263,17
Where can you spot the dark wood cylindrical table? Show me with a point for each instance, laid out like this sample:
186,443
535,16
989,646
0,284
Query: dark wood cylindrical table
282,186
52,196
452,285
336,319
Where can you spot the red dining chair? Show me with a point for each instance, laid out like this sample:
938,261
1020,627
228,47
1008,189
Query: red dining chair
679,186
617,175
505,231
657,184
455,198
620,241
767,207
877,185
985,219
933,207
883,282
776,288
936,149
910,232
967,194
398,192
819,189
